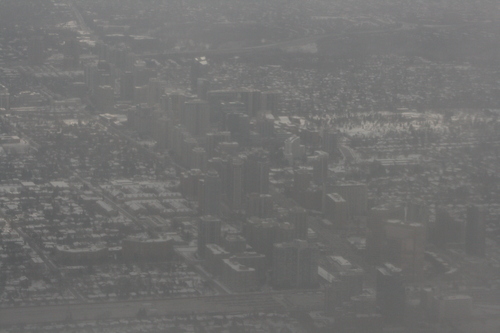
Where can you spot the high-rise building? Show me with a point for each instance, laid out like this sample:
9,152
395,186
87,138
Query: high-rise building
260,205
209,232
199,68
256,173
36,50
238,277
71,52
298,217
265,125
285,232
104,99
270,101
255,260
377,218
346,278
234,191
202,88
294,150
261,235
127,86
155,91
336,210
447,230
4,98
142,73
238,124
356,195
198,159
475,241
210,194
213,139
405,248
329,141
390,291
252,100
319,163
176,105
141,119
302,177
234,243
190,183
196,117
214,254
295,265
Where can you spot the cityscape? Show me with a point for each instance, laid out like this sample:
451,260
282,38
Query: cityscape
237,166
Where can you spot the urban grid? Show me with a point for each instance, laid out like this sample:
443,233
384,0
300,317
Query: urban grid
249,166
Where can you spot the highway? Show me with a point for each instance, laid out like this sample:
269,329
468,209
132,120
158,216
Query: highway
227,304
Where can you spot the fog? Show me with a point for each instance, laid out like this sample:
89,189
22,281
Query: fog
249,166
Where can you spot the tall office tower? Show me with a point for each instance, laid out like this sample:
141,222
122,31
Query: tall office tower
234,189
159,132
141,119
140,95
446,229
176,105
234,243
239,125
377,218
155,86
329,140
90,72
142,73
266,205
405,248
202,88
190,183
301,179
346,277
298,217
127,86
210,194
356,195
199,68
99,74
270,101
198,159
261,235
259,205
294,150
196,117
256,173
310,137
237,277
336,210
319,163
475,241
186,151
4,97
102,50
295,265
285,232
213,139
121,57
36,51
104,99
209,232
252,100
390,291
71,52
265,125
